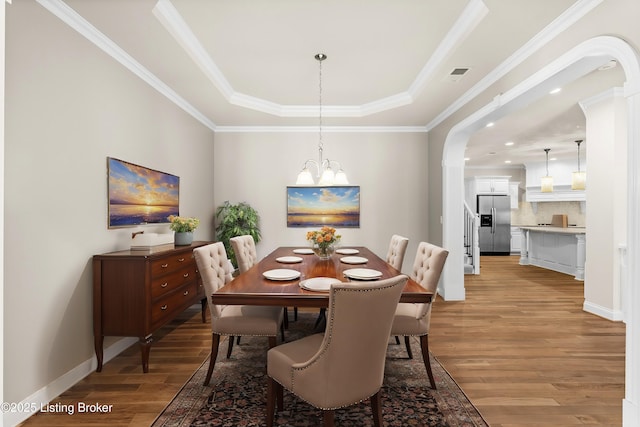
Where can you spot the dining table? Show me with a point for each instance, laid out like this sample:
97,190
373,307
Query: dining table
296,277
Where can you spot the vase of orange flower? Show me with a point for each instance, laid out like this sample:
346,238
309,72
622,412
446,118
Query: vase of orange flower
323,241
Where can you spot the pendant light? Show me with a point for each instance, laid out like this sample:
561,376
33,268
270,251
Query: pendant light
546,186
332,173
578,178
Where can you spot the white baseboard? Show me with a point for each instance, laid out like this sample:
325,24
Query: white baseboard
54,389
598,310
630,414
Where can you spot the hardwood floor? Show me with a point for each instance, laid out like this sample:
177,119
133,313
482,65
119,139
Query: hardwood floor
520,346
525,352
178,350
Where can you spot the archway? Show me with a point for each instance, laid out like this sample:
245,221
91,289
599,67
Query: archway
580,60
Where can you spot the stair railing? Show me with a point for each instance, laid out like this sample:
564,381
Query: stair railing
471,239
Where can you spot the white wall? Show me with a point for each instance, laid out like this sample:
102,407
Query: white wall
389,168
607,219
68,107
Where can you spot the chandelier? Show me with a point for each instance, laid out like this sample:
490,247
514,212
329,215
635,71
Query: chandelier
546,186
329,172
578,178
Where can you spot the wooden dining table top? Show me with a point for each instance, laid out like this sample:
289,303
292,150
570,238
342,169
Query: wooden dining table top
252,288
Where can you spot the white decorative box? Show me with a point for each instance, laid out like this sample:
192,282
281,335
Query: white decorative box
150,240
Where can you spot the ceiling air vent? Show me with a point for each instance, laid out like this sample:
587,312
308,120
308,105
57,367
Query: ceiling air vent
457,73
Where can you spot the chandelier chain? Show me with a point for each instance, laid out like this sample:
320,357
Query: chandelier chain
320,144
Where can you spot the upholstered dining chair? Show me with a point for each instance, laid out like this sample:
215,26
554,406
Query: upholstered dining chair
232,320
415,319
246,255
396,251
245,249
345,365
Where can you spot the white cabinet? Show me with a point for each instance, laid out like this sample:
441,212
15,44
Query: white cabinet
492,185
516,240
496,185
514,193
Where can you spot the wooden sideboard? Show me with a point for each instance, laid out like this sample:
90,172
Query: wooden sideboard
137,292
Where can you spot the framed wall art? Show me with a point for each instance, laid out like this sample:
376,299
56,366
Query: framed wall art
139,195
336,206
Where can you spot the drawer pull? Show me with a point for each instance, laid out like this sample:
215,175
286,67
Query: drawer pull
185,275
164,307
164,285
165,265
181,260
186,293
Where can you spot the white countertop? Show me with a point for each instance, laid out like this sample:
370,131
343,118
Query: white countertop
550,229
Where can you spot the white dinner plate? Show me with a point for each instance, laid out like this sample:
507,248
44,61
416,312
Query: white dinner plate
363,273
347,251
353,259
289,259
319,284
281,274
303,251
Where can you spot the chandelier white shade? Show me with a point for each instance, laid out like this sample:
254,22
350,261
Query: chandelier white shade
546,185
328,172
578,178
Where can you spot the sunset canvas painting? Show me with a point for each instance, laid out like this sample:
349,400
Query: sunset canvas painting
317,206
139,195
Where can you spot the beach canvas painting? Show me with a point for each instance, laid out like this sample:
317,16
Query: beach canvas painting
336,206
139,195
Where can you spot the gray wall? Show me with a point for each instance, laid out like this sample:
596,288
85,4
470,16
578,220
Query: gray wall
68,107
390,169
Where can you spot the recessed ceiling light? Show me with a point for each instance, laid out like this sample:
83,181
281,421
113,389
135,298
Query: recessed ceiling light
507,161
466,159
556,90
553,159
508,143
489,124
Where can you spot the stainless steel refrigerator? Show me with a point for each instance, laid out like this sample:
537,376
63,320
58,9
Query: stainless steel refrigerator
495,224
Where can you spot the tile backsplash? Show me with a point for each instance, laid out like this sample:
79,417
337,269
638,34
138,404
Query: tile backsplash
525,215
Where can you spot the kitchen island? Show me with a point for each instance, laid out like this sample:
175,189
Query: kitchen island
559,249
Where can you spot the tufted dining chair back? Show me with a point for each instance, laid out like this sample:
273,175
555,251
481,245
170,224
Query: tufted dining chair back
231,320
345,365
415,319
213,267
427,269
396,251
245,249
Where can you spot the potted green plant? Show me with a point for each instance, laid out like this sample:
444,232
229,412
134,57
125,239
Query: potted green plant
236,220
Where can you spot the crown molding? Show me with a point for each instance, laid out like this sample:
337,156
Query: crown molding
173,22
91,33
472,15
325,129
555,28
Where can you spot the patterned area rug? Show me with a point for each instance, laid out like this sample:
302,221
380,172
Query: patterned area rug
238,390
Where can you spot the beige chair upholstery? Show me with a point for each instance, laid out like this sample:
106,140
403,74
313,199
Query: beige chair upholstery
245,250
345,365
397,249
414,319
231,320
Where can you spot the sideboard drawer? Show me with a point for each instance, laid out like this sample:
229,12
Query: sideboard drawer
165,308
171,263
136,292
171,281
